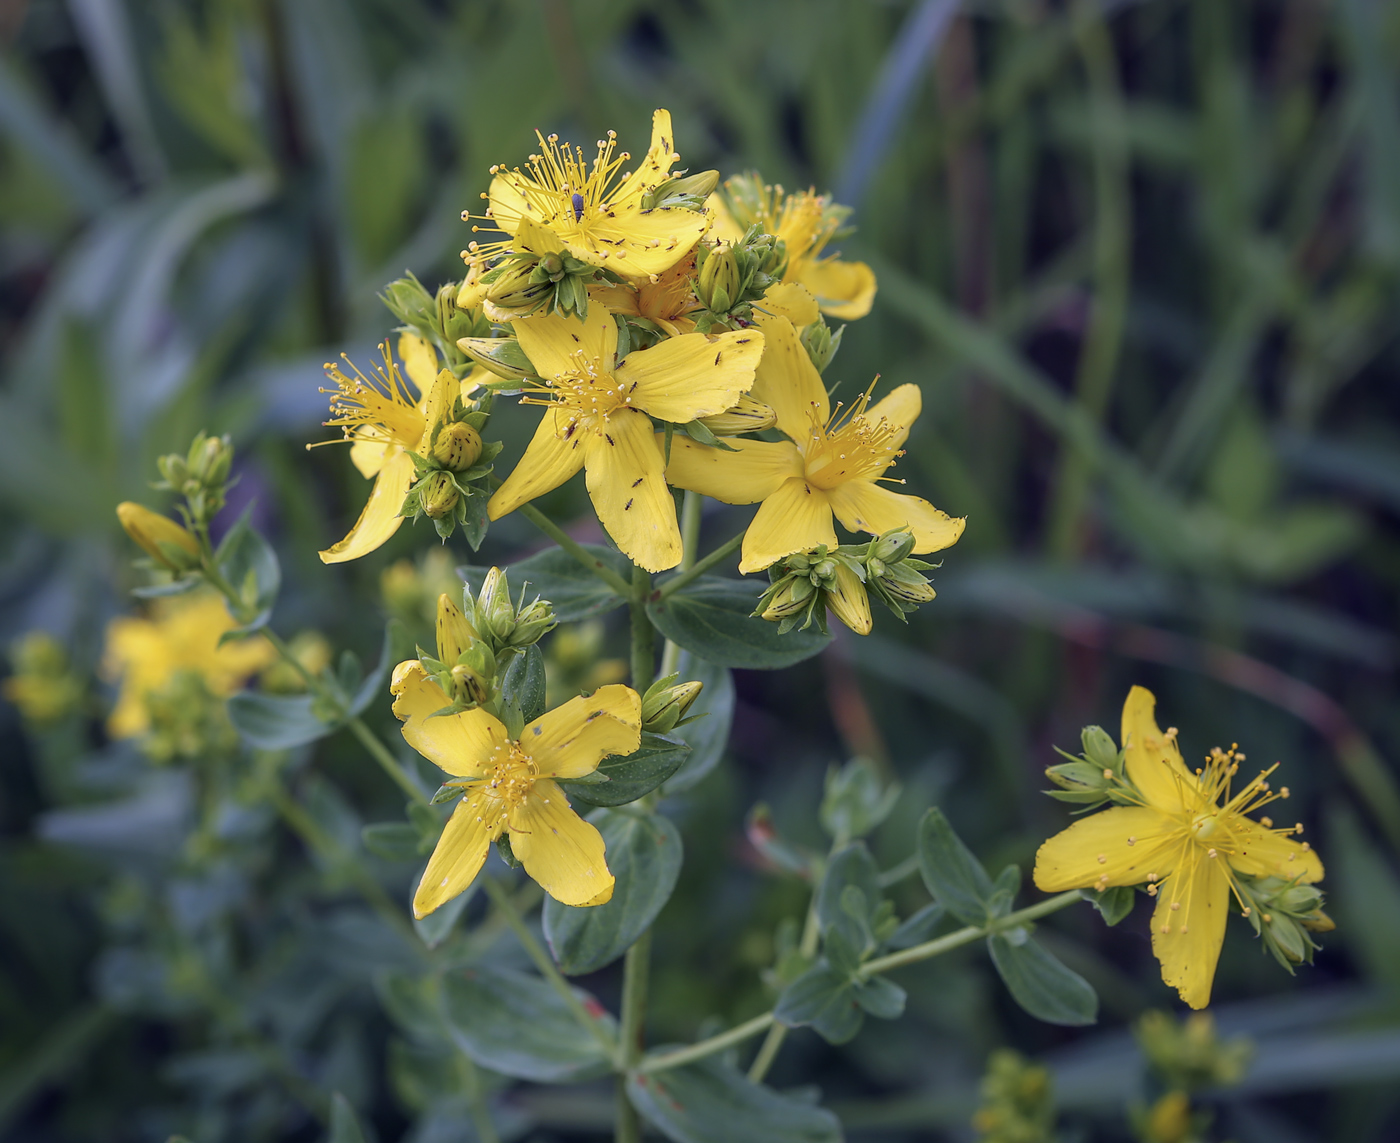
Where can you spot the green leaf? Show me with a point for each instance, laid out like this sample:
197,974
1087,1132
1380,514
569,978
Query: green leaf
882,998
1113,904
553,574
644,854
631,776
395,647
516,1024
950,872
1041,984
824,999
523,683
711,1100
711,617
850,867
917,929
437,926
393,841
414,1004
345,1124
276,722
250,566
713,714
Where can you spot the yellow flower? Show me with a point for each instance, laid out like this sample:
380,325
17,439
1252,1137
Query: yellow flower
596,418
832,464
668,301
44,687
510,786
182,634
806,222
597,219
382,418
1187,837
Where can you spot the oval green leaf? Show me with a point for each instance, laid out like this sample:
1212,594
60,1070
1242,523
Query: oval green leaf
950,871
644,854
707,736
575,592
711,617
276,722
630,776
1041,984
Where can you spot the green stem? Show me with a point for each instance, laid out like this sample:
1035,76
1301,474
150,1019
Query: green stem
897,873
643,634
940,945
904,957
636,971
681,1056
476,1101
575,549
701,566
385,757
501,899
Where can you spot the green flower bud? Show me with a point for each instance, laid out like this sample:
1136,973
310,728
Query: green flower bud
1100,749
892,546
552,266
748,416
532,623
495,613
160,537
847,599
689,193
513,285
210,459
439,496
471,680
458,446
820,345
719,282
901,584
454,633
666,703
792,598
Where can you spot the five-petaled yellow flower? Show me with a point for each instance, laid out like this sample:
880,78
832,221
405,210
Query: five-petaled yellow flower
806,222
598,220
596,418
832,464
1188,838
510,786
182,634
383,418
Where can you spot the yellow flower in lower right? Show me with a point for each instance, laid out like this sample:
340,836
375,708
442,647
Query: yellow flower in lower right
1188,838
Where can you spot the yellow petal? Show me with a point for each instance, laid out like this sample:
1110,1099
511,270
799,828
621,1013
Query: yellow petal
1153,761
381,518
627,483
864,506
419,360
572,739
441,395
1261,852
1187,940
693,375
899,409
788,381
369,453
1096,850
508,205
724,228
796,518
652,170
793,301
462,744
618,299
554,454
553,343
559,849
473,381
531,236
752,473
460,852
844,290
639,242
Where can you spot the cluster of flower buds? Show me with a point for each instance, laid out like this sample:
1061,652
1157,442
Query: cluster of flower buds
803,587
200,476
731,277
523,283
1095,777
476,642
1189,1055
666,702
1018,1103
440,320
447,479
821,344
43,685
1285,914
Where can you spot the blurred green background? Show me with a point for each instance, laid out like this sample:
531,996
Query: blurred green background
1144,260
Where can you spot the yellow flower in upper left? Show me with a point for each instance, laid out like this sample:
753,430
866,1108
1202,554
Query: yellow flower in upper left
181,634
510,786
383,419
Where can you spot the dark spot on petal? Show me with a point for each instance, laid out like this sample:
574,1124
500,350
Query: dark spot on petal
627,507
638,481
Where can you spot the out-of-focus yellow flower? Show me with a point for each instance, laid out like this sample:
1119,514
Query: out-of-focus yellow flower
806,222
596,418
309,648
1184,834
144,655
384,419
597,216
831,464
43,687
510,786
